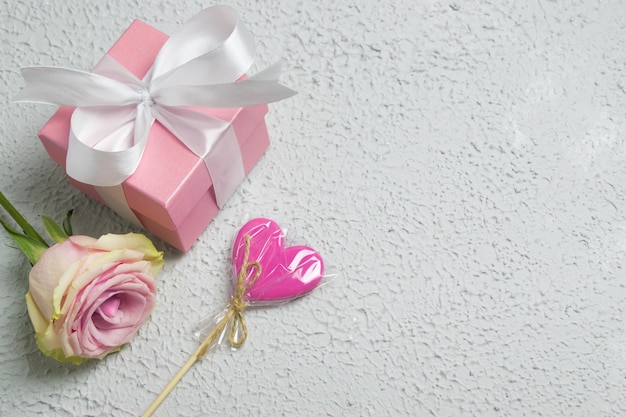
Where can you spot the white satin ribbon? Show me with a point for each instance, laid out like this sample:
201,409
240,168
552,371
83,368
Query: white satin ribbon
197,66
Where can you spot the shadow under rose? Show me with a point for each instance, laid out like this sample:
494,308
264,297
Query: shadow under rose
42,366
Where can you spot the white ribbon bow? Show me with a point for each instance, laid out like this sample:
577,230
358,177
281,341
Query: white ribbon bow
197,66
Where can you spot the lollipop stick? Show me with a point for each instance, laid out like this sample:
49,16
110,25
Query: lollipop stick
235,312
198,354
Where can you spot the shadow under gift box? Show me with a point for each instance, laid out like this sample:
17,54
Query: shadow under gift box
171,192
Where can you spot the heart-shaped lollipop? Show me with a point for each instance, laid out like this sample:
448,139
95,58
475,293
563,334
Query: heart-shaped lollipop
265,273
285,273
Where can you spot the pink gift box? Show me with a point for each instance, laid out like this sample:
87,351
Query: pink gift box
171,192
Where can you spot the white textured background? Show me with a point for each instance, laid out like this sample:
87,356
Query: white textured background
460,163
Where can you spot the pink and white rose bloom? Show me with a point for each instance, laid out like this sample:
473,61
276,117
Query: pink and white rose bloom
87,297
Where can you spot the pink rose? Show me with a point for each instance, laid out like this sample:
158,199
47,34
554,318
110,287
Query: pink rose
87,296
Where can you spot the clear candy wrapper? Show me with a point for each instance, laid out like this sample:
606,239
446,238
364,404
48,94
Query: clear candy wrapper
264,273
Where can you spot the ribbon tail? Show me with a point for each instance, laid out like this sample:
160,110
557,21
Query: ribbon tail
271,73
109,67
211,139
243,93
69,87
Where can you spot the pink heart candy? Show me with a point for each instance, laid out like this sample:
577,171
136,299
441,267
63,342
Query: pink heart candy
286,273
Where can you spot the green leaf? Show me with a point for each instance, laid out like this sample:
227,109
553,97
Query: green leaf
20,220
33,249
55,231
67,224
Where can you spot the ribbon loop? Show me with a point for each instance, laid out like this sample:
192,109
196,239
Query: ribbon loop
198,66
223,37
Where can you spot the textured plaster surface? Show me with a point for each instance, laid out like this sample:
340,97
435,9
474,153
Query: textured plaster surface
461,164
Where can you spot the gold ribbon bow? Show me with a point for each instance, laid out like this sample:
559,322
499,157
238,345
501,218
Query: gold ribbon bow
236,307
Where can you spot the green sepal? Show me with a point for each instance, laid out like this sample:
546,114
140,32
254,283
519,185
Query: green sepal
20,220
33,249
67,223
55,231
58,355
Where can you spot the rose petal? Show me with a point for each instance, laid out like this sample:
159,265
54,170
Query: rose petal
93,332
110,307
46,274
129,321
97,264
133,241
89,296
39,322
